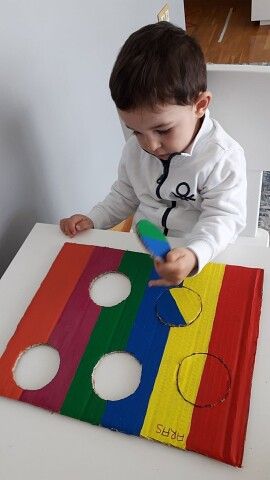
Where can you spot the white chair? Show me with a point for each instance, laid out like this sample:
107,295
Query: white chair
241,103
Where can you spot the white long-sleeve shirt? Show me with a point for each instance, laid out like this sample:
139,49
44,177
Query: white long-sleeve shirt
199,195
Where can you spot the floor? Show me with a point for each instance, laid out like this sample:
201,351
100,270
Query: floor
227,35
242,40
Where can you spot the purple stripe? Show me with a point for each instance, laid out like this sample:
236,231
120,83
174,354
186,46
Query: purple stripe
71,334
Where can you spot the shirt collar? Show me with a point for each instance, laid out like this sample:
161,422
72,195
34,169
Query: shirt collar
206,127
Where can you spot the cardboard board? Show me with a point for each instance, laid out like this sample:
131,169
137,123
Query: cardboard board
196,345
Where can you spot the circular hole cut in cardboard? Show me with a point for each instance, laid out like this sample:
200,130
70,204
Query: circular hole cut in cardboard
109,289
178,306
214,380
117,375
36,367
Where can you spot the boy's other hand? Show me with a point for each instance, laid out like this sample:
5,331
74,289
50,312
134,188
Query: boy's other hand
74,224
179,263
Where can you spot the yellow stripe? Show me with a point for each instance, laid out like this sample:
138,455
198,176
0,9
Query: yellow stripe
188,302
168,416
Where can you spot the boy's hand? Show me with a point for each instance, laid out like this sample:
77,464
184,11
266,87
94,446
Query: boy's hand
179,263
74,224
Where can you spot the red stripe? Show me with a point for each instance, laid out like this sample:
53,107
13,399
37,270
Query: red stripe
72,332
220,431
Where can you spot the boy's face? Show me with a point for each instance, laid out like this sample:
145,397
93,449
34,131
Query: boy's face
168,128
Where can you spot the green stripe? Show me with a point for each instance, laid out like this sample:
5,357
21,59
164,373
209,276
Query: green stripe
110,334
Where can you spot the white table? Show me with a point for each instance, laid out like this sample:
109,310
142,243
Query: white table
35,444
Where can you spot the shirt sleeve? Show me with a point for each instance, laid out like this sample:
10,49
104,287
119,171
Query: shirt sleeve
120,203
223,214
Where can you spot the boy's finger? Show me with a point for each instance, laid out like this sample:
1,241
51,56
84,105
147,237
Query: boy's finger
173,255
166,268
158,260
69,231
64,227
161,282
68,226
158,263
61,225
71,228
82,225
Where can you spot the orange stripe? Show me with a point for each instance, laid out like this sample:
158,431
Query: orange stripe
44,311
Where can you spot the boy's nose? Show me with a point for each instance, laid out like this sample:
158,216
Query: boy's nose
153,144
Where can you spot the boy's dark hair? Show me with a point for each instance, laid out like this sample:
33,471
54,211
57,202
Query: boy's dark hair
159,63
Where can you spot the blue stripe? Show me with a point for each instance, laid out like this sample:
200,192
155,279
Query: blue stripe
168,310
146,342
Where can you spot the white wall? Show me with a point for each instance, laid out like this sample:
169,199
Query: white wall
60,137
260,10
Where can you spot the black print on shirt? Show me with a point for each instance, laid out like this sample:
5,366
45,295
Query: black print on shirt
183,191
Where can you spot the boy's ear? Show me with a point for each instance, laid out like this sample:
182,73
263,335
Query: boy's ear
202,103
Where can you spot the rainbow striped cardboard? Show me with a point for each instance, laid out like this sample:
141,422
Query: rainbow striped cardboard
196,345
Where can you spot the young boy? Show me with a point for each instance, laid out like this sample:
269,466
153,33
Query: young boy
179,168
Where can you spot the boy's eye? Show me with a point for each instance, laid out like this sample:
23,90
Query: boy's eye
163,132
160,132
